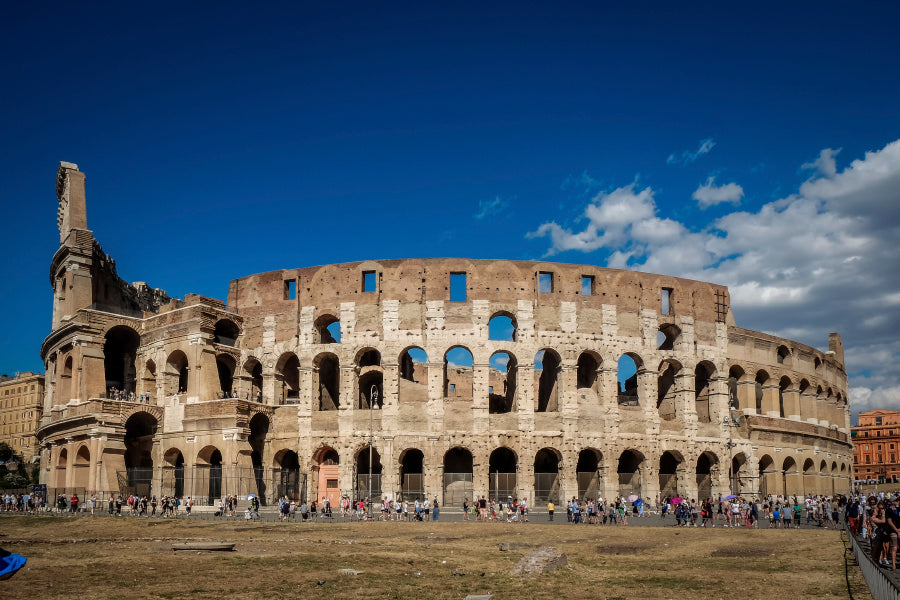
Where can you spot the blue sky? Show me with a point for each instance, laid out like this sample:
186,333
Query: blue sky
754,146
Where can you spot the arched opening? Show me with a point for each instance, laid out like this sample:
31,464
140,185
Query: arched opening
704,475
327,465
502,383
226,332
64,394
458,475
546,476
225,366
809,478
328,330
412,474
328,380
702,375
587,472
502,469
259,429
734,376
286,475
737,475
253,372
665,402
629,471
149,378
667,336
546,373
458,374
209,467
589,371
173,473
119,350
669,467
627,376
139,431
768,480
502,327
176,376
368,474
759,381
413,380
287,373
783,356
81,476
368,357
789,475
783,386
370,383
62,462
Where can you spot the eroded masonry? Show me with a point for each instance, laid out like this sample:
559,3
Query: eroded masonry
465,377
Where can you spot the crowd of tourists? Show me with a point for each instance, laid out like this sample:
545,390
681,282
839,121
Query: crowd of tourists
114,393
876,519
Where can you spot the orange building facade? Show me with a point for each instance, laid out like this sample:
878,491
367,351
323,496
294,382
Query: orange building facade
877,445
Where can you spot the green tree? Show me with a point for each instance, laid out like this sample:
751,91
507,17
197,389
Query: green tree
6,452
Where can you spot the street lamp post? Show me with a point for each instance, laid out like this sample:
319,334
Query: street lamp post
373,398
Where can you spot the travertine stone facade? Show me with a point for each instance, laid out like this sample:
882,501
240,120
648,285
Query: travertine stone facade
469,377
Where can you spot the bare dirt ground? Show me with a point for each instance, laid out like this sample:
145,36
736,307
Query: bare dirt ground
131,558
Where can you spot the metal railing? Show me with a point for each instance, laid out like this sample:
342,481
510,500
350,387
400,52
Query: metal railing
880,584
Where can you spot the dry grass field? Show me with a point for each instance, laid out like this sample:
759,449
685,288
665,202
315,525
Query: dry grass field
132,558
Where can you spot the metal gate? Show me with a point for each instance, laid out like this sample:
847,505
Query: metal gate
546,487
412,486
457,487
588,484
502,485
362,487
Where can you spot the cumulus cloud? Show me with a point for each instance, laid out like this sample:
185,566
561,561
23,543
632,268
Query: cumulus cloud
688,157
825,164
709,194
487,208
821,259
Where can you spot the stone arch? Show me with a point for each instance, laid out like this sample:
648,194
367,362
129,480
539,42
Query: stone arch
627,375
768,476
120,347
761,379
61,465
503,327
367,357
286,475
327,329
458,374
412,474
253,372
366,486
226,332
703,374
140,431
64,393
671,471
784,384
502,380
173,473
546,371
209,473
259,431
502,473
327,381
668,336
287,374
82,468
738,473
735,374
370,379
412,381
666,400
176,373
587,472
706,463
783,356
225,366
810,477
547,463
458,475
789,475
630,473
588,378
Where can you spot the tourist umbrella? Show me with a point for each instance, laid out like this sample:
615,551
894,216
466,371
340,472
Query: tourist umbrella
632,497
676,500
251,496
638,501
731,496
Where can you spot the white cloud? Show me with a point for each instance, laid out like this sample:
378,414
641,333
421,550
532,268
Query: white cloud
825,164
688,156
487,208
709,194
822,259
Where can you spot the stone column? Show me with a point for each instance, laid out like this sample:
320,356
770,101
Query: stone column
792,408
770,403
648,391
480,417
435,380
685,410
718,399
349,396
567,389
525,399
746,393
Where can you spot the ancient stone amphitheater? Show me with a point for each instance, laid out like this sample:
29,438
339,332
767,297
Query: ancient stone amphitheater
449,378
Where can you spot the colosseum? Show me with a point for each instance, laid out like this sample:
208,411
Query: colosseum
443,377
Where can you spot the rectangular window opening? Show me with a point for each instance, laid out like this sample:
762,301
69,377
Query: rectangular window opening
545,283
666,301
457,287
587,285
369,283
490,389
290,289
452,387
